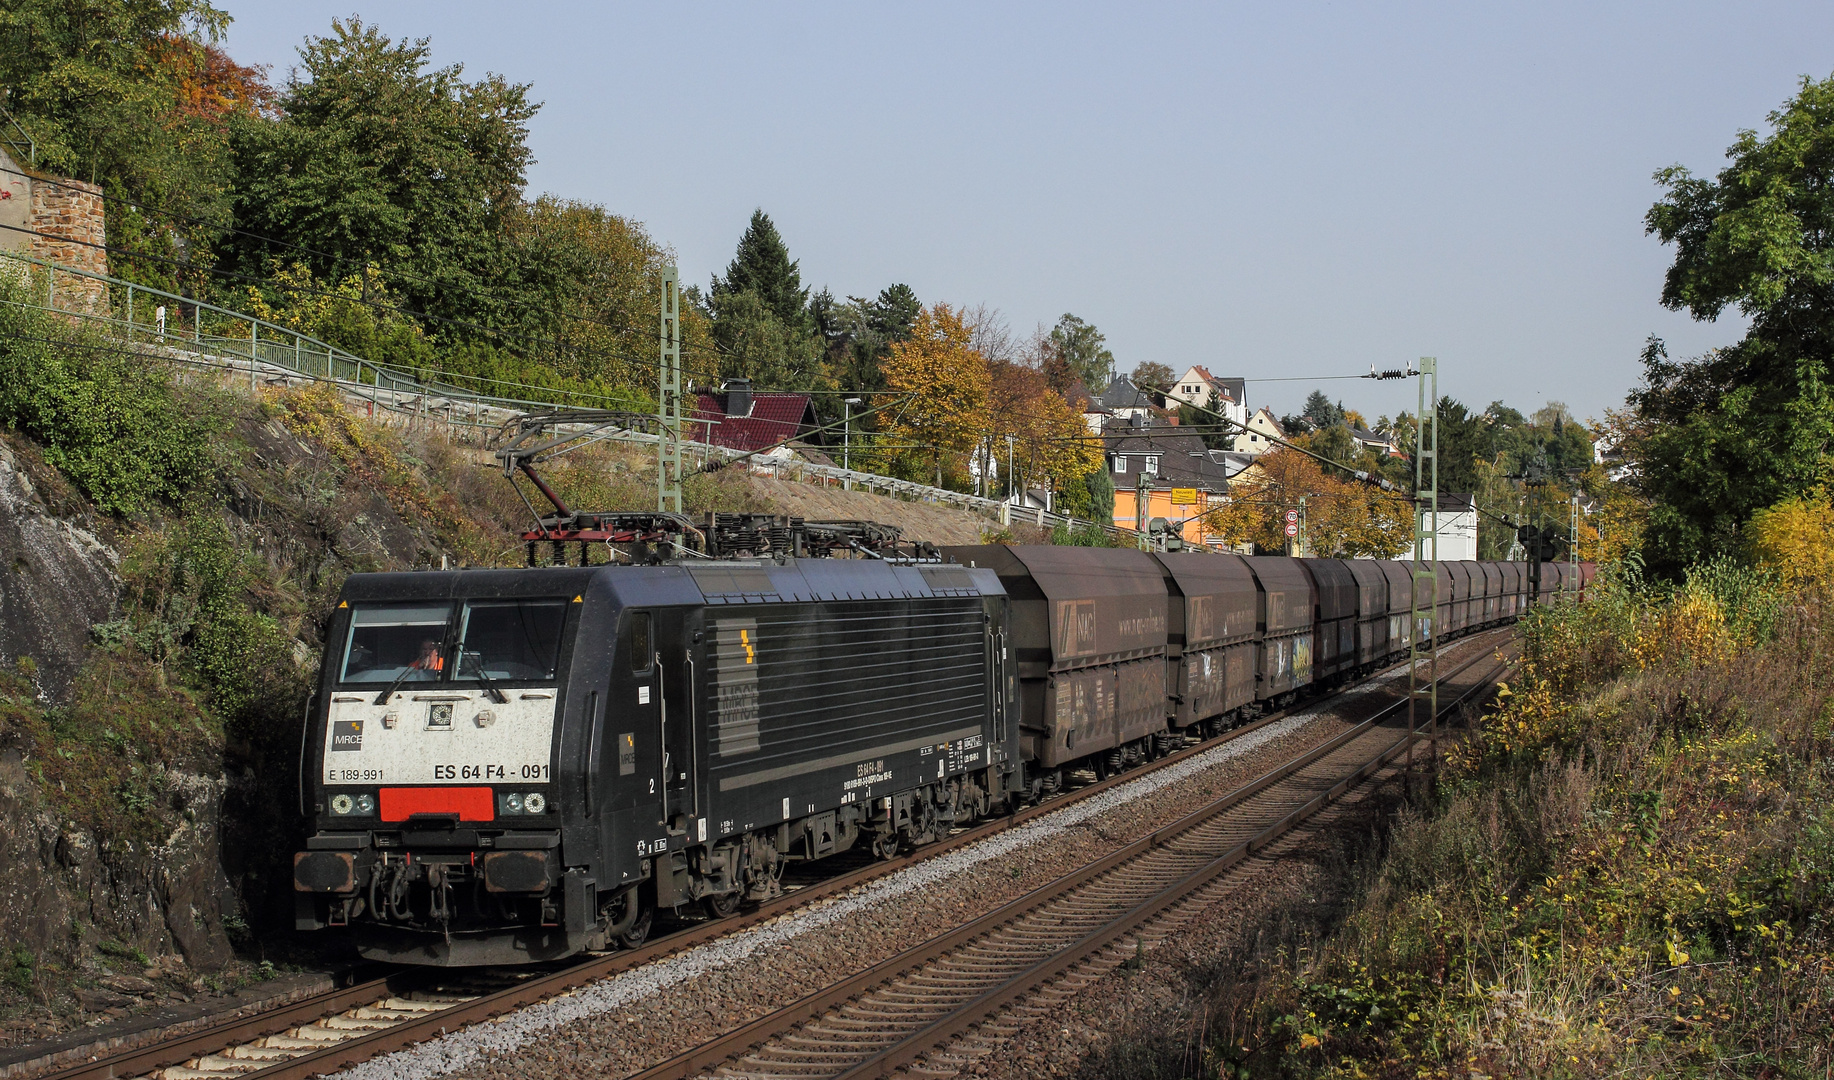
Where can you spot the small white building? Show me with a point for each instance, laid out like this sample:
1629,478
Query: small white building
1263,429
1457,527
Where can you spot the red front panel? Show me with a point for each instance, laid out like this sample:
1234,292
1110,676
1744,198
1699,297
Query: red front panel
469,803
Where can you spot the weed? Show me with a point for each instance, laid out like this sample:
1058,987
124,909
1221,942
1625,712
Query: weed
124,952
21,969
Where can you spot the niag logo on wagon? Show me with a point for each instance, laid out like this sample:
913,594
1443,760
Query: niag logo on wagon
347,735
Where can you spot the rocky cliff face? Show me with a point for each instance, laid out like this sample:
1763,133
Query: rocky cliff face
57,576
61,888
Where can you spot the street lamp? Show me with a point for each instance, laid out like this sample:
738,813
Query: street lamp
1010,489
847,437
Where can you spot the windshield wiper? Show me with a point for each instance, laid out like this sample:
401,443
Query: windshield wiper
490,684
382,698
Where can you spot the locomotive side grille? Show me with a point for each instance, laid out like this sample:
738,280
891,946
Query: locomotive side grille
792,691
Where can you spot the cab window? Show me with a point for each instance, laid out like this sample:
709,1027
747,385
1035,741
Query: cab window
516,640
396,641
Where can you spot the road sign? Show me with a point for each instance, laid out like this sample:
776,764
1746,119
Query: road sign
1292,529
1184,496
1292,518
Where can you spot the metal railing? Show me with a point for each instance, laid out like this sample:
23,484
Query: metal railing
12,135
197,333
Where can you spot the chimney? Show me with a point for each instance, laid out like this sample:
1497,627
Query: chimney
738,397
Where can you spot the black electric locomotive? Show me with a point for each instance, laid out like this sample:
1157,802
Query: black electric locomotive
514,765
504,766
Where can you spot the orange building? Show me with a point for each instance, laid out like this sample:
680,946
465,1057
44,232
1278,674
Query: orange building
1180,477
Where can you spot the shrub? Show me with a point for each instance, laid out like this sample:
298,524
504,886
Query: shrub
109,420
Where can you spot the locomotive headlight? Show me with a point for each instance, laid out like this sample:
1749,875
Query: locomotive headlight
513,803
534,802
366,804
342,804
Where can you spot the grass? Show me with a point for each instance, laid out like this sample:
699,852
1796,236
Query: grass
1627,869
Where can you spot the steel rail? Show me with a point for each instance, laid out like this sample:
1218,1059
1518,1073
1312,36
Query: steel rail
818,1004
142,1061
203,1040
937,1035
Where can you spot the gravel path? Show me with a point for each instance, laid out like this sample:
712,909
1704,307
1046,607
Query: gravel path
635,1019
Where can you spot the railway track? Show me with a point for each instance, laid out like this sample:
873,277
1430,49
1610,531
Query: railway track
907,1012
334,1030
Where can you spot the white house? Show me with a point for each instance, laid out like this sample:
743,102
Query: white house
1196,385
1263,428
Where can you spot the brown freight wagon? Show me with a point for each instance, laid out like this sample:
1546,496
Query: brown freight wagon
1371,611
1333,618
1210,646
1088,627
1283,615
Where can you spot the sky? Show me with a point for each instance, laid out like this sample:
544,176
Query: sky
1281,192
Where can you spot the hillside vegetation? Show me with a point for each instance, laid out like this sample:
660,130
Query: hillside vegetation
1627,868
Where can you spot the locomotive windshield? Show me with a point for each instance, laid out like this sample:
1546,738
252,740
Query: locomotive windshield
510,639
396,641
513,640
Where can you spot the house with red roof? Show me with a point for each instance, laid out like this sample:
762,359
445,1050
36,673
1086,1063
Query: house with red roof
740,418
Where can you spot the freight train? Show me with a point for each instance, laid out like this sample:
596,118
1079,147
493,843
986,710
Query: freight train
507,766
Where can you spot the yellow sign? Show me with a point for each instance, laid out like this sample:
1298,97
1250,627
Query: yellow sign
1184,496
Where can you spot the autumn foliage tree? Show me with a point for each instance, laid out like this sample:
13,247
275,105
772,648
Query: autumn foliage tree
1344,518
1051,446
946,385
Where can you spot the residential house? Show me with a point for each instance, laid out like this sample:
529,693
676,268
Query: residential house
1382,443
1191,388
1125,401
1196,386
1091,408
740,418
1158,472
1263,429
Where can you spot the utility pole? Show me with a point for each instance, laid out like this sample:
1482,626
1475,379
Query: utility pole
1303,553
1426,556
847,437
1010,489
1141,489
1573,535
668,400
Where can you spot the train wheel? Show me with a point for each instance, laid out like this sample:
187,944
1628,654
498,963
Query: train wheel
639,931
721,905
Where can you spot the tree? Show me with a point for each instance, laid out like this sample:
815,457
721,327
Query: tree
762,265
379,159
133,97
1319,411
946,385
1155,377
858,333
1344,518
1747,427
763,323
753,343
1083,350
85,77
1216,434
